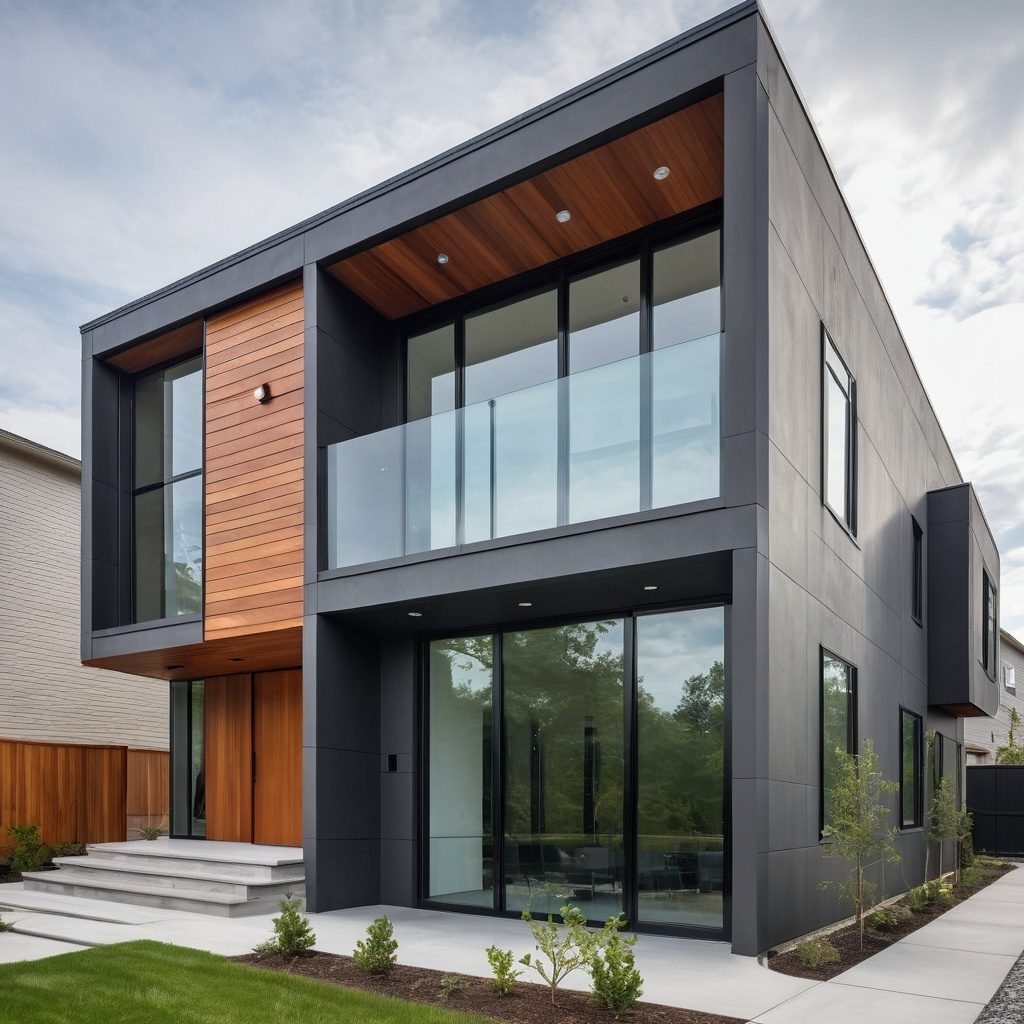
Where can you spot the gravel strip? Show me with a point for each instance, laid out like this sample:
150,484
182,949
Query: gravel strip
1007,1005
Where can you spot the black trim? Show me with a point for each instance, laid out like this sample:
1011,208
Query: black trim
918,819
917,573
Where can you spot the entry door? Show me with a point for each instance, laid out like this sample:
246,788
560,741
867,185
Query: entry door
254,758
277,761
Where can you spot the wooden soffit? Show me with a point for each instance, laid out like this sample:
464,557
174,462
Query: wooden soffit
182,341
258,652
609,191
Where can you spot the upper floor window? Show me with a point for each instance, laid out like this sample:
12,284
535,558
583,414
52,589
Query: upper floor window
168,491
839,435
989,626
1009,677
838,724
917,569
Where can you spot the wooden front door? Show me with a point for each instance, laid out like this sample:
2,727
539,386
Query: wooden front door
277,745
253,758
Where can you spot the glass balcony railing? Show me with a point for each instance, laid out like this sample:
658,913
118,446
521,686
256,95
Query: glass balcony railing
631,435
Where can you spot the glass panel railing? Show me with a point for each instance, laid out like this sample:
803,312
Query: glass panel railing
624,437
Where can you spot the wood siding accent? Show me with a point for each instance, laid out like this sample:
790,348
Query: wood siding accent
277,741
254,468
181,341
227,738
75,793
609,191
148,800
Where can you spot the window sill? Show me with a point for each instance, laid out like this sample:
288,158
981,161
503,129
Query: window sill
841,523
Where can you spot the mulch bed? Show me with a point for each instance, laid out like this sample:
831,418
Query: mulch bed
847,940
528,1004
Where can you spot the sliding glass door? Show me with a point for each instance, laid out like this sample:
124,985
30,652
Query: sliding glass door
188,788
596,752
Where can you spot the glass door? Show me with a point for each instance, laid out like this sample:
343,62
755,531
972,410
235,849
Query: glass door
188,788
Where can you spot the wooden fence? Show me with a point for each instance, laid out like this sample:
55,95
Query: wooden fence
78,793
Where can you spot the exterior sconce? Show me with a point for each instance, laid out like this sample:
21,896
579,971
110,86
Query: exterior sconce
262,393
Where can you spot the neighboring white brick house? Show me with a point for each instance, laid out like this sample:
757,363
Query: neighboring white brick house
45,691
982,736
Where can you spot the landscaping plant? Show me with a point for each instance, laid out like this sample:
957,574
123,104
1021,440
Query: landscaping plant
939,891
4,926
450,984
971,876
817,952
942,816
1013,752
377,954
566,948
858,831
918,898
150,832
501,961
28,852
888,919
293,935
615,982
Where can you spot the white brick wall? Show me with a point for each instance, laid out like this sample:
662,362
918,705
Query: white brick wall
45,691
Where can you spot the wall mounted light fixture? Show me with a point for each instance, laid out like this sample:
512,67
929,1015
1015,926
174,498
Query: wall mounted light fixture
261,393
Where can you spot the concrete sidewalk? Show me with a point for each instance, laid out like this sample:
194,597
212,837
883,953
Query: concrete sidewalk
942,974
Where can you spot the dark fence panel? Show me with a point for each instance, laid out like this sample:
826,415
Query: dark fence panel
995,798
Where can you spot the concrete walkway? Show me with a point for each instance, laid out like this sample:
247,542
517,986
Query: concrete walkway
942,974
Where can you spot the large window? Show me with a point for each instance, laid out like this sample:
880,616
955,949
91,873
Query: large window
838,435
168,492
989,626
188,787
911,738
838,724
603,773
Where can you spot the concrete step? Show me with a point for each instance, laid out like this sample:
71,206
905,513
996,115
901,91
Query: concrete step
280,864
144,893
16,898
169,875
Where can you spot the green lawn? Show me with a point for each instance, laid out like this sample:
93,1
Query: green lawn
150,983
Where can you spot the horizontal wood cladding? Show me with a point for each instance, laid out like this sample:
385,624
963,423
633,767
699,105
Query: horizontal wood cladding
222,655
609,192
254,467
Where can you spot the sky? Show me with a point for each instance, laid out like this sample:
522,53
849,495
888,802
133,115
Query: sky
143,139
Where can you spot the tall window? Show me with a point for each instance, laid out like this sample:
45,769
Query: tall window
168,491
989,626
839,435
911,737
917,569
838,724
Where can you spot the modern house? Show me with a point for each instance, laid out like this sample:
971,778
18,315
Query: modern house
984,736
62,725
535,525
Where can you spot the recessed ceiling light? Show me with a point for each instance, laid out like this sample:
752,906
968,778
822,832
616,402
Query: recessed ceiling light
236,659
661,173
415,615
442,258
170,668
525,604
651,586
563,216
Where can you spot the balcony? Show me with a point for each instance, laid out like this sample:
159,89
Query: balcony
625,437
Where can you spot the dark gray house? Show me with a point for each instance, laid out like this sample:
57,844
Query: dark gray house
535,525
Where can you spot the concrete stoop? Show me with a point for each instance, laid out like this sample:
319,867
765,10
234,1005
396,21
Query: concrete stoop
222,879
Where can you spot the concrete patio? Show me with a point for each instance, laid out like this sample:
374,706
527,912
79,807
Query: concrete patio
942,974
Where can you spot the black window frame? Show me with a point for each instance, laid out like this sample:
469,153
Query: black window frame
852,736
918,722
135,492
847,517
629,615
917,573
989,625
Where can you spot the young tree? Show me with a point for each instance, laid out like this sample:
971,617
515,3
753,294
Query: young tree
1013,752
942,816
858,831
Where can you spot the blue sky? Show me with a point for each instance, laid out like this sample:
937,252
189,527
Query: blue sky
142,140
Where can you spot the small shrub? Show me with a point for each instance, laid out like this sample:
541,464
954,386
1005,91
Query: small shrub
28,853
918,899
377,954
967,857
888,919
4,926
971,876
150,832
68,850
501,961
616,983
566,949
451,984
293,935
817,952
939,891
